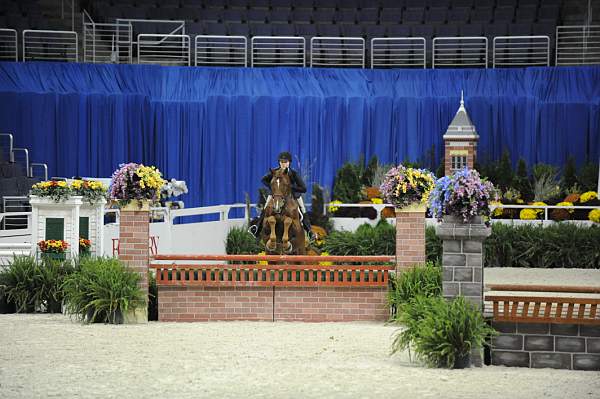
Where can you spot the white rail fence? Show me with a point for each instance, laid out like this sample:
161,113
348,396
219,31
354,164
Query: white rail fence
398,52
520,51
221,50
164,49
9,50
452,52
50,45
577,45
278,51
337,52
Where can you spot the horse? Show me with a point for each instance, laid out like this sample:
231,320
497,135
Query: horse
282,218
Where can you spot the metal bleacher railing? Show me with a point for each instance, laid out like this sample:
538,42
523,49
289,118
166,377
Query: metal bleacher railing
119,43
211,50
278,50
9,45
453,52
50,45
577,45
398,52
107,42
510,51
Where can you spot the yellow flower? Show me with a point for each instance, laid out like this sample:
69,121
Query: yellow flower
76,184
497,211
539,203
377,200
262,262
332,206
566,203
594,215
62,184
325,263
588,196
520,201
528,214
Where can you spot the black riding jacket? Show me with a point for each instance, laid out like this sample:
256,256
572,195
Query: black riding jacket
298,186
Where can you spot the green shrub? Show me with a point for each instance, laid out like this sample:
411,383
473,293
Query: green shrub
441,332
419,281
367,240
556,246
102,290
240,242
433,245
348,183
588,176
32,286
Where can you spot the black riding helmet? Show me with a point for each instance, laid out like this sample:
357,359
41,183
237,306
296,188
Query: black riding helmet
285,156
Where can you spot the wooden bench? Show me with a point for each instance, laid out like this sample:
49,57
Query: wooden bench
572,309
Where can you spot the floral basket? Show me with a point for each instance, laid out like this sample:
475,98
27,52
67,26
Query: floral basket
53,249
58,191
463,195
404,186
136,183
92,191
85,247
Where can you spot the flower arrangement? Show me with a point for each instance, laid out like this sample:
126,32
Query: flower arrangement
332,206
404,186
84,245
594,215
377,201
53,246
92,191
57,191
566,203
498,211
463,194
134,181
588,196
532,213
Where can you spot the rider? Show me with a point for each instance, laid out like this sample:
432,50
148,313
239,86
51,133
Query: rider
298,188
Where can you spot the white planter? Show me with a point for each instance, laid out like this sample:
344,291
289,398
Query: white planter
95,215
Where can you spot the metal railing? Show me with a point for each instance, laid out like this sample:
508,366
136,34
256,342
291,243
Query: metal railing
519,51
9,50
18,205
64,11
50,45
455,52
213,50
25,152
398,52
36,166
337,52
11,156
107,42
278,51
578,45
164,49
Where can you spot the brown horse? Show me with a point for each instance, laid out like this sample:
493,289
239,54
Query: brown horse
282,229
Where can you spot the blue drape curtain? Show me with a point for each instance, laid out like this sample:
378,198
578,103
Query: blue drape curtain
221,128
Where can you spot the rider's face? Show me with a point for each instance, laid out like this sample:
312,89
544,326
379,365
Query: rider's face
283,164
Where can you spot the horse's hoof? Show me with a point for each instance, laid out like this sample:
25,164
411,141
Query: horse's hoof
271,246
289,247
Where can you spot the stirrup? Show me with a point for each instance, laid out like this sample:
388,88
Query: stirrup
253,230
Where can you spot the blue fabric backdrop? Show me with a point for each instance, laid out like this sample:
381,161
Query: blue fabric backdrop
221,128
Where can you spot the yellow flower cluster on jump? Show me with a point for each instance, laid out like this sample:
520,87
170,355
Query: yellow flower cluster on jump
531,214
150,177
90,185
45,185
588,196
594,215
377,201
498,210
332,206
566,203
325,263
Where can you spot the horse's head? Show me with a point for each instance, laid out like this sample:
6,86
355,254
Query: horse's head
281,188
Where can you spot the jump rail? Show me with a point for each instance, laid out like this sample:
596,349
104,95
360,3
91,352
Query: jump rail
545,309
273,270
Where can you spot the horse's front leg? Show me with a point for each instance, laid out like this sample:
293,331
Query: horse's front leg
287,222
271,244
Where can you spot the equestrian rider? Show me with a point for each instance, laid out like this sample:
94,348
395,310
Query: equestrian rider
298,188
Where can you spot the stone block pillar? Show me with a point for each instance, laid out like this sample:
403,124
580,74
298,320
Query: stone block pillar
462,259
410,237
134,230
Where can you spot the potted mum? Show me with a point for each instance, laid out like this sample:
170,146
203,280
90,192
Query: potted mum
407,188
53,249
54,190
91,191
462,197
134,186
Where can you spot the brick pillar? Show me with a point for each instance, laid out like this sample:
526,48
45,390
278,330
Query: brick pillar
459,147
410,237
134,229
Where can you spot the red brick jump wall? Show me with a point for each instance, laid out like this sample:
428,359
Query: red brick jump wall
318,304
